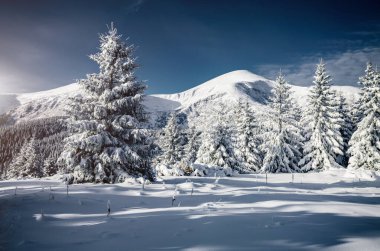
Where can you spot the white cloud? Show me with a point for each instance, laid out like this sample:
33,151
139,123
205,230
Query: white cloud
345,68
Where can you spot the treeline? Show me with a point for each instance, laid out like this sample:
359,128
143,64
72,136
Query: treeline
327,133
44,137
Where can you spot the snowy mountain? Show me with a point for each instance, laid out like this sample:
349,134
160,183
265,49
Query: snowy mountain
228,87
27,106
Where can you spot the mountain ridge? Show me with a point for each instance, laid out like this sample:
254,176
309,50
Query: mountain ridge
228,87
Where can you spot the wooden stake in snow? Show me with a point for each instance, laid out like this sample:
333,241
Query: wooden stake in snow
108,208
143,184
192,190
67,189
216,180
16,190
266,178
173,199
292,177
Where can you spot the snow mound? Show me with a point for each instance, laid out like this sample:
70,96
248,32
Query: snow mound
361,175
199,170
164,170
202,170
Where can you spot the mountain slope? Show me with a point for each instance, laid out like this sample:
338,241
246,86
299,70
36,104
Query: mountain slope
228,87
36,105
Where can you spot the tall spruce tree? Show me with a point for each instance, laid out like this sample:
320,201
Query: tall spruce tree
217,146
192,145
365,82
365,141
246,149
284,142
345,128
108,142
323,139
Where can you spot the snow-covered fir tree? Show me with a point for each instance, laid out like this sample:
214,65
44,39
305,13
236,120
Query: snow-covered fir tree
365,141
366,82
323,139
192,145
49,166
345,127
355,113
27,163
108,142
217,145
247,141
172,142
282,145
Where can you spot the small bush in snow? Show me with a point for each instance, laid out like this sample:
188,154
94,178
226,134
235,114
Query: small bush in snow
164,170
211,171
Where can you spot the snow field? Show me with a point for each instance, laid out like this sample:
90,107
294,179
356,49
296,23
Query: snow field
319,211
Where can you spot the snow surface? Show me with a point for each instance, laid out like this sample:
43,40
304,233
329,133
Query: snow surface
335,210
232,86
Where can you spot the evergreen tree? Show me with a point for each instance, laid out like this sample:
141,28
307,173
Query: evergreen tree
365,141
356,113
248,142
366,83
193,145
108,142
345,127
172,141
324,141
217,147
283,143
50,166
28,163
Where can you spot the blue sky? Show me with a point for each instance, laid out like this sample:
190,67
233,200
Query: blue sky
44,44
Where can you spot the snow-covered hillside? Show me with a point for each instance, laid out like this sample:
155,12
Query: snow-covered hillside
50,103
231,86
335,210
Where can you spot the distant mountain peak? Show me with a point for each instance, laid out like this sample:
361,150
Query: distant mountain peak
227,88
